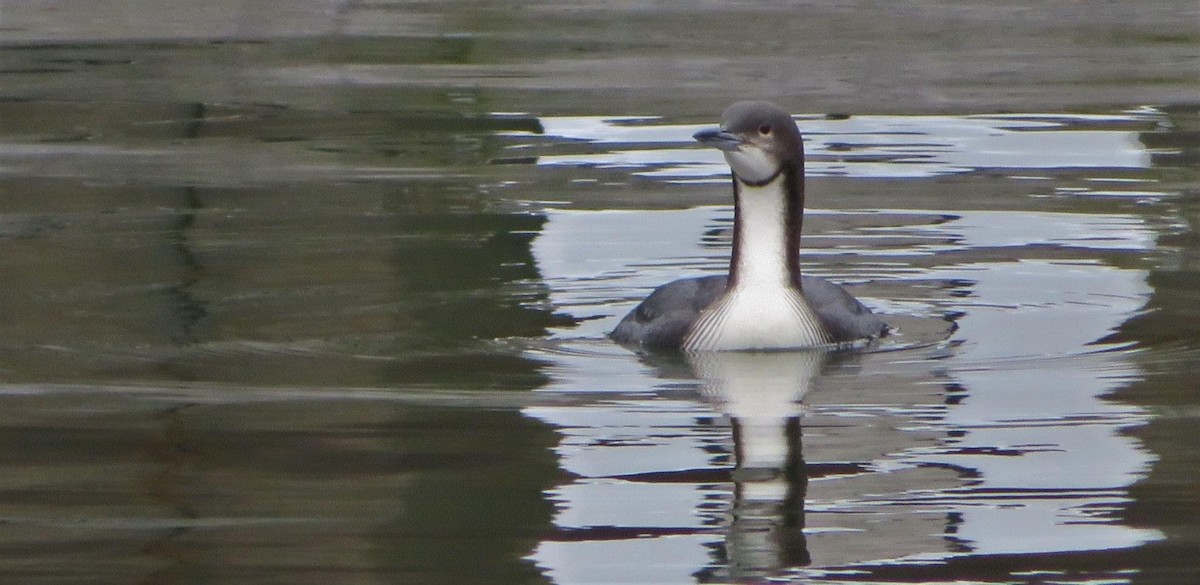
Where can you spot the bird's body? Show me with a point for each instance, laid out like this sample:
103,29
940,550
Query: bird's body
764,303
663,319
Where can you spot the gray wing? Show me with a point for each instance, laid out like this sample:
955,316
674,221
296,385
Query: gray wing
844,317
661,321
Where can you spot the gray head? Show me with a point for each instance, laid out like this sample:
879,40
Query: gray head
759,140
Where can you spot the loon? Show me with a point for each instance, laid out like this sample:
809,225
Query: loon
764,304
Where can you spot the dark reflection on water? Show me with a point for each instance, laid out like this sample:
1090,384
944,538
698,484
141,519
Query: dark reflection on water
245,286
109,489
290,295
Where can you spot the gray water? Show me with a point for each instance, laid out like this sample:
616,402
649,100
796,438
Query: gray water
312,292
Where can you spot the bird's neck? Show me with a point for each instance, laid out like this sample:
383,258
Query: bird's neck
762,307
766,232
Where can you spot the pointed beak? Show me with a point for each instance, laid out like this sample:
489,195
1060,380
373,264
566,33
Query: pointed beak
718,139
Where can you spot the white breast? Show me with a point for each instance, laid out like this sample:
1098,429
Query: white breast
747,319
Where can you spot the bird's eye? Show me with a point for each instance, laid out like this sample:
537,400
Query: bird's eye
765,129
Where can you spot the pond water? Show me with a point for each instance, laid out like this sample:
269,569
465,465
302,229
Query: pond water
319,294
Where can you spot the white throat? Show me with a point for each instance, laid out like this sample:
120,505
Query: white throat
763,308
752,164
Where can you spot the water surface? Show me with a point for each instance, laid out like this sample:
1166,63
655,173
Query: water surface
311,295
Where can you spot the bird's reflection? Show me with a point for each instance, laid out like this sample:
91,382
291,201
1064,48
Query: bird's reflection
761,394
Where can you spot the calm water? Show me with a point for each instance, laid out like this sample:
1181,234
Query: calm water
318,293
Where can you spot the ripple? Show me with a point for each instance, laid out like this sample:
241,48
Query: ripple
870,146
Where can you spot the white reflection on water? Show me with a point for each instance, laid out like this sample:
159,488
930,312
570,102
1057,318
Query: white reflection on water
599,264
1004,444
871,146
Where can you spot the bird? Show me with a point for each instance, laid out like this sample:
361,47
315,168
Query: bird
764,303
